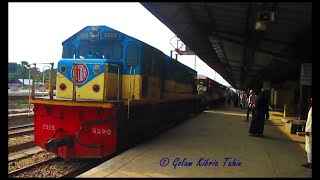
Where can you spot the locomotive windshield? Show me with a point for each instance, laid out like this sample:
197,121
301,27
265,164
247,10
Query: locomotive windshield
109,50
94,42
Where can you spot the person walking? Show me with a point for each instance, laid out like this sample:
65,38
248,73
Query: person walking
308,136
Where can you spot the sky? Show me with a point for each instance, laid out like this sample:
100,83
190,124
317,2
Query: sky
37,30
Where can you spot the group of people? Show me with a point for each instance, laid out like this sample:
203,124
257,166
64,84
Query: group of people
260,110
243,100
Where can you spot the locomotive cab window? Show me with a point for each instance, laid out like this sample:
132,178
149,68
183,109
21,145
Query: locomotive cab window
68,52
112,50
109,50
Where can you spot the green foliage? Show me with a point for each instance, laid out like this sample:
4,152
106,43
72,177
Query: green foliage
21,71
12,67
12,102
12,76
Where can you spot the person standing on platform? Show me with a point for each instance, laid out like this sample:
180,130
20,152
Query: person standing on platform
260,111
245,100
241,97
235,100
308,144
267,115
251,104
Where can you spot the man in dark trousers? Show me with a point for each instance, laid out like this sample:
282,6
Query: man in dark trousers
257,123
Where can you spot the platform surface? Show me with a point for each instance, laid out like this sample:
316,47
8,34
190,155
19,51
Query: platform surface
213,136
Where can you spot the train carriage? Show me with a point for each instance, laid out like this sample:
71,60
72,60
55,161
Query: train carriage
112,90
211,92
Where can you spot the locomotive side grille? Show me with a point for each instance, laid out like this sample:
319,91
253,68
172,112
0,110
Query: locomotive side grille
132,55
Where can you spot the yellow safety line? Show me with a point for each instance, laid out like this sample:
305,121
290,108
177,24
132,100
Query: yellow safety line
278,120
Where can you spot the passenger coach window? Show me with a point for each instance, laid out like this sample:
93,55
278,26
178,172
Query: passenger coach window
132,55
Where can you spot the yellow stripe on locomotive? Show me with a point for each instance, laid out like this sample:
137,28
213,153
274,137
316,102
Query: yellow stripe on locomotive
86,92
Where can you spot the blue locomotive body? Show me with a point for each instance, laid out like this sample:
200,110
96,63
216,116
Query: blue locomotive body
112,89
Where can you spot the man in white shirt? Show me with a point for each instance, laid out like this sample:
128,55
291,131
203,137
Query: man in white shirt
308,131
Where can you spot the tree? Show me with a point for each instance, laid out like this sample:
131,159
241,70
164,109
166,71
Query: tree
23,71
25,64
18,71
46,75
12,67
12,76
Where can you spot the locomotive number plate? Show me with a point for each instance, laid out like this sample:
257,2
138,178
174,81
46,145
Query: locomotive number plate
48,127
101,131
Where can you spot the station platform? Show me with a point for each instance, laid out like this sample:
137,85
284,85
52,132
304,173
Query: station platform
214,143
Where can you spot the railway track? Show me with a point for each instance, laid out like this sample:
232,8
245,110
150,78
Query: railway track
46,164
22,133
20,127
20,130
20,119
29,167
22,146
20,138
55,167
20,110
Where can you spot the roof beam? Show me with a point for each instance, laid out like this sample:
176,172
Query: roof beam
283,56
212,28
223,35
203,33
248,52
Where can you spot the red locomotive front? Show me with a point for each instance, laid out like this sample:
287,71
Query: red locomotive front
75,132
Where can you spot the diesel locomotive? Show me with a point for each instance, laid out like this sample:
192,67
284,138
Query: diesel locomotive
112,90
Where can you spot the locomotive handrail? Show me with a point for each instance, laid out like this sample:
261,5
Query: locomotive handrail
33,74
33,80
43,79
29,89
132,94
106,68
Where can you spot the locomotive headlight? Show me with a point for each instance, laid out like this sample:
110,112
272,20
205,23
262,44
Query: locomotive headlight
96,69
63,69
94,33
96,88
62,86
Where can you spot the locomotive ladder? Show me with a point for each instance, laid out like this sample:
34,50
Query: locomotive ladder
131,94
32,72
